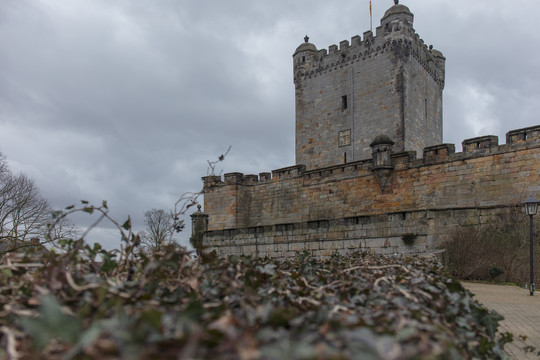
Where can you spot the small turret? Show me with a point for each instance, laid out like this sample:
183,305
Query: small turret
306,46
303,58
396,17
441,63
381,152
382,167
199,224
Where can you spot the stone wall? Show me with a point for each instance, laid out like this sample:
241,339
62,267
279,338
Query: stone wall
411,232
342,207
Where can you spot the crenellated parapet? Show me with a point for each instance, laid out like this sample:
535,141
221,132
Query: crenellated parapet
395,35
489,142
437,154
324,61
525,134
288,172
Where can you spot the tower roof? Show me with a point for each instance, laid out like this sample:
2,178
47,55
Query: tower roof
397,9
381,139
305,46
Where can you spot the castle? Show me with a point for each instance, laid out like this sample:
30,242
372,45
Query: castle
371,171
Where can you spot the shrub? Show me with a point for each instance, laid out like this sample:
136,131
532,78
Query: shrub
88,303
497,248
409,239
495,271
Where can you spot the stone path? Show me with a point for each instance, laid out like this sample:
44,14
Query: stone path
521,313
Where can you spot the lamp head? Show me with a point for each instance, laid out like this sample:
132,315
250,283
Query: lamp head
531,206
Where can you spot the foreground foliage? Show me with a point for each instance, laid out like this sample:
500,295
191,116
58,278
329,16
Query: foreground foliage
171,306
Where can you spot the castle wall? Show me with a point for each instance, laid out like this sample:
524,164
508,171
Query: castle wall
345,205
381,234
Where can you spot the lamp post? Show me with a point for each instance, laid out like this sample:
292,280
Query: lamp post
531,207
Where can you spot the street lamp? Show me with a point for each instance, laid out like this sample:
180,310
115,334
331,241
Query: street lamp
531,207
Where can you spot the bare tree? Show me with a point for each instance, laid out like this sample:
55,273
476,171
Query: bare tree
24,212
159,229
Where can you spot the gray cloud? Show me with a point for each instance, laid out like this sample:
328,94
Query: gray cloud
126,101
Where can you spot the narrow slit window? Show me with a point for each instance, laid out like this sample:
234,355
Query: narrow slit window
344,102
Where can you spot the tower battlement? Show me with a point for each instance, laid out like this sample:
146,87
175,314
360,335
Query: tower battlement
358,50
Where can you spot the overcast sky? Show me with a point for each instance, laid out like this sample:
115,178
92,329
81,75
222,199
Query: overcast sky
126,100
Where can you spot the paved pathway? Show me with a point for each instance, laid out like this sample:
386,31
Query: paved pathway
521,314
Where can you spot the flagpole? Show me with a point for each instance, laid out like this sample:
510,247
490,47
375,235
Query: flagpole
370,18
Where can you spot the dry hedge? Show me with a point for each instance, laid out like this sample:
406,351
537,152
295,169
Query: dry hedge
86,304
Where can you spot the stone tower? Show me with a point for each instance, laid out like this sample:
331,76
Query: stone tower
389,84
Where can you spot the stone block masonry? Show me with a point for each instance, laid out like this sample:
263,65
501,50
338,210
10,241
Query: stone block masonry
343,207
